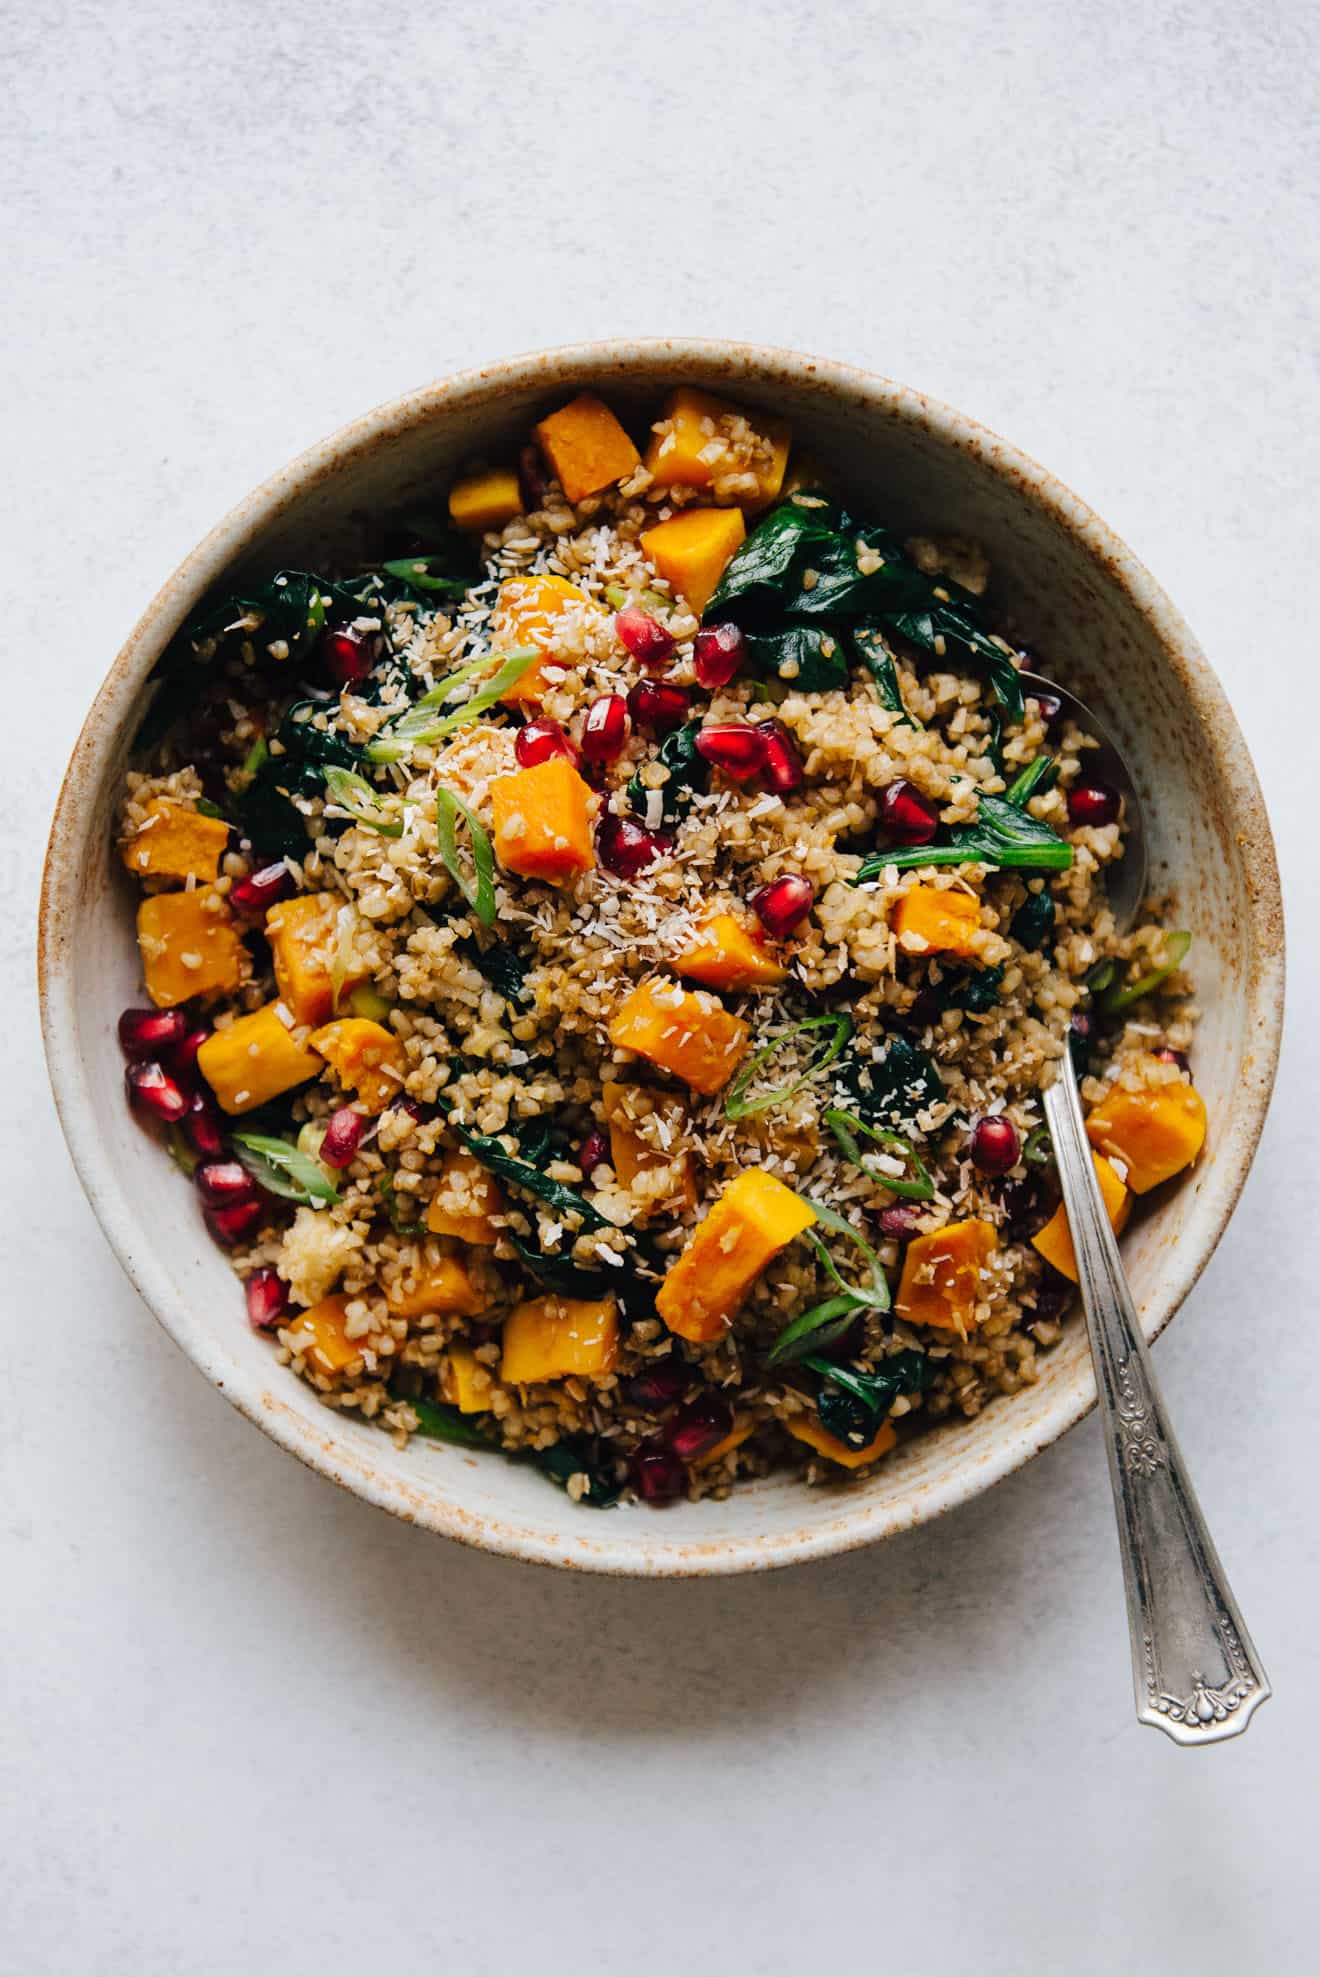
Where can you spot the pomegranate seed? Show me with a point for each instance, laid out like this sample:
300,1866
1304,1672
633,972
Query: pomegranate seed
898,1221
925,1007
541,739
994,1145
657,1384
784,904
267,1298
1095,804
717,655
733,747
151,1032
606,728
1050,708
781,765
905,815
532,481
1081,1035
224,1183
1178,1057
657,707
343,1133
698,1426
645,637
154,1094
229,1226
252,896
202,1128
594,1149
625,848
349,655
1052,1294
656,1473
183,1057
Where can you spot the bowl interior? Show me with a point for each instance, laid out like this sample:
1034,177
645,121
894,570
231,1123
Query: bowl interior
1087,611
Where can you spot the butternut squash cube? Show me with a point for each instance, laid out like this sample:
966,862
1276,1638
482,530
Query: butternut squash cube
543,821
934,919
723,952
1055,1241
644,1129
586,446
189,946
303,935
684,1031
367,1059
331,1351
691,453
174,841
527,612
485,500
465,1382
436,1286
254,1060
1154,1133
804,1429
753,1219
692,550
941,1279
467,1202
555,1338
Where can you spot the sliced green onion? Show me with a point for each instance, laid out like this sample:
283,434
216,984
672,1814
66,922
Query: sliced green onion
416,728
445,1424
256,755
825,1324
739,1106
1038,1148
1034,780
877,1295
1097,979
279,1167
366,1001
425,573
847,1128
181,1153
478,886
1119,997
394,1208
353,793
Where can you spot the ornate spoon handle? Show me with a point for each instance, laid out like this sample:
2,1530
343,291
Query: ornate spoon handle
1197,1675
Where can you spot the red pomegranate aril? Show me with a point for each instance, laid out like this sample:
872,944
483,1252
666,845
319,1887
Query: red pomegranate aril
656,707
606,728
1166,1055
343,1134
202,1128
784,904
645,637
594,1149
905,815
732,747
252,897
539,741
718,654
625,848
994,1145
656,1473
698,1426
533,482
1050,708
154,1094
899,1221
151,1032
657,1385
230,1226
781,765
183,1057
224,1183
349,655
1095,804
267,1298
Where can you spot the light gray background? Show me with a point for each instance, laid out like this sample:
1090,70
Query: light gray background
249,1725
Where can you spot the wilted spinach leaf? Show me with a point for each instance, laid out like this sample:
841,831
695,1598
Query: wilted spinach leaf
892,1087
502,966
868,643
689,772
977,990
264,810
579,1456
809,658
853,1405
1002,835
1033,923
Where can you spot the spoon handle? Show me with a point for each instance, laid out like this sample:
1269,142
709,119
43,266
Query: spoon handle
1196,1673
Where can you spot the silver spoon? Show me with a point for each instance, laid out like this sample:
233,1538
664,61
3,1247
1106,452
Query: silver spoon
1196,1673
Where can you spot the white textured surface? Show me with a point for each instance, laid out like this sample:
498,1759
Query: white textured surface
249,1724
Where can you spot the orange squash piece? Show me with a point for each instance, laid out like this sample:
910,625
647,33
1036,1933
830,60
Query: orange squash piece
723,952
687,1032
556,1338
254,1059
632,1155
543,821
303,934
943,921
1055,1241
527,612
692,550
366,1058
586,446
804,1429
465,1382
485,500
753,1219
942,1275
174,841
436,1286
678,458
467,1203
189,946
1154,1133
332,1352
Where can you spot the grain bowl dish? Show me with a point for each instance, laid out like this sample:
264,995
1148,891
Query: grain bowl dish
604,945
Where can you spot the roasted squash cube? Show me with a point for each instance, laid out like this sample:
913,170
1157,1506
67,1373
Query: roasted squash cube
1154,1133
189,946
692,551
941,1280
468,1203
937,920
684,1031
527,612
645,1128
367,1059
723,952
436,1285
485,500
1055,1241
804,1429
694,449
330,1350
465,1382
753,1219
303,935
254,1059
174,841
555,1338
586,446
543,821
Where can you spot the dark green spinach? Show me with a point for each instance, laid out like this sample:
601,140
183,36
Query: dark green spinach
1001,836
852,1406
890,1088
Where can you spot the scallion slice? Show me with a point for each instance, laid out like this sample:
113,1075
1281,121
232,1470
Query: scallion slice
739,1106
420,727
1118,996
354,794
848,1129
477,885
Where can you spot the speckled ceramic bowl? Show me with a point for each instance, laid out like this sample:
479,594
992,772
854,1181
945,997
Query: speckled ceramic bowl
1078,597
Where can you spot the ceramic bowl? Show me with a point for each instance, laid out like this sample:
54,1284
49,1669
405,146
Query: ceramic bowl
1077,597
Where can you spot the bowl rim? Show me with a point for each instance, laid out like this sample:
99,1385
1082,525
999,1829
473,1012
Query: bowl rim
858,1523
